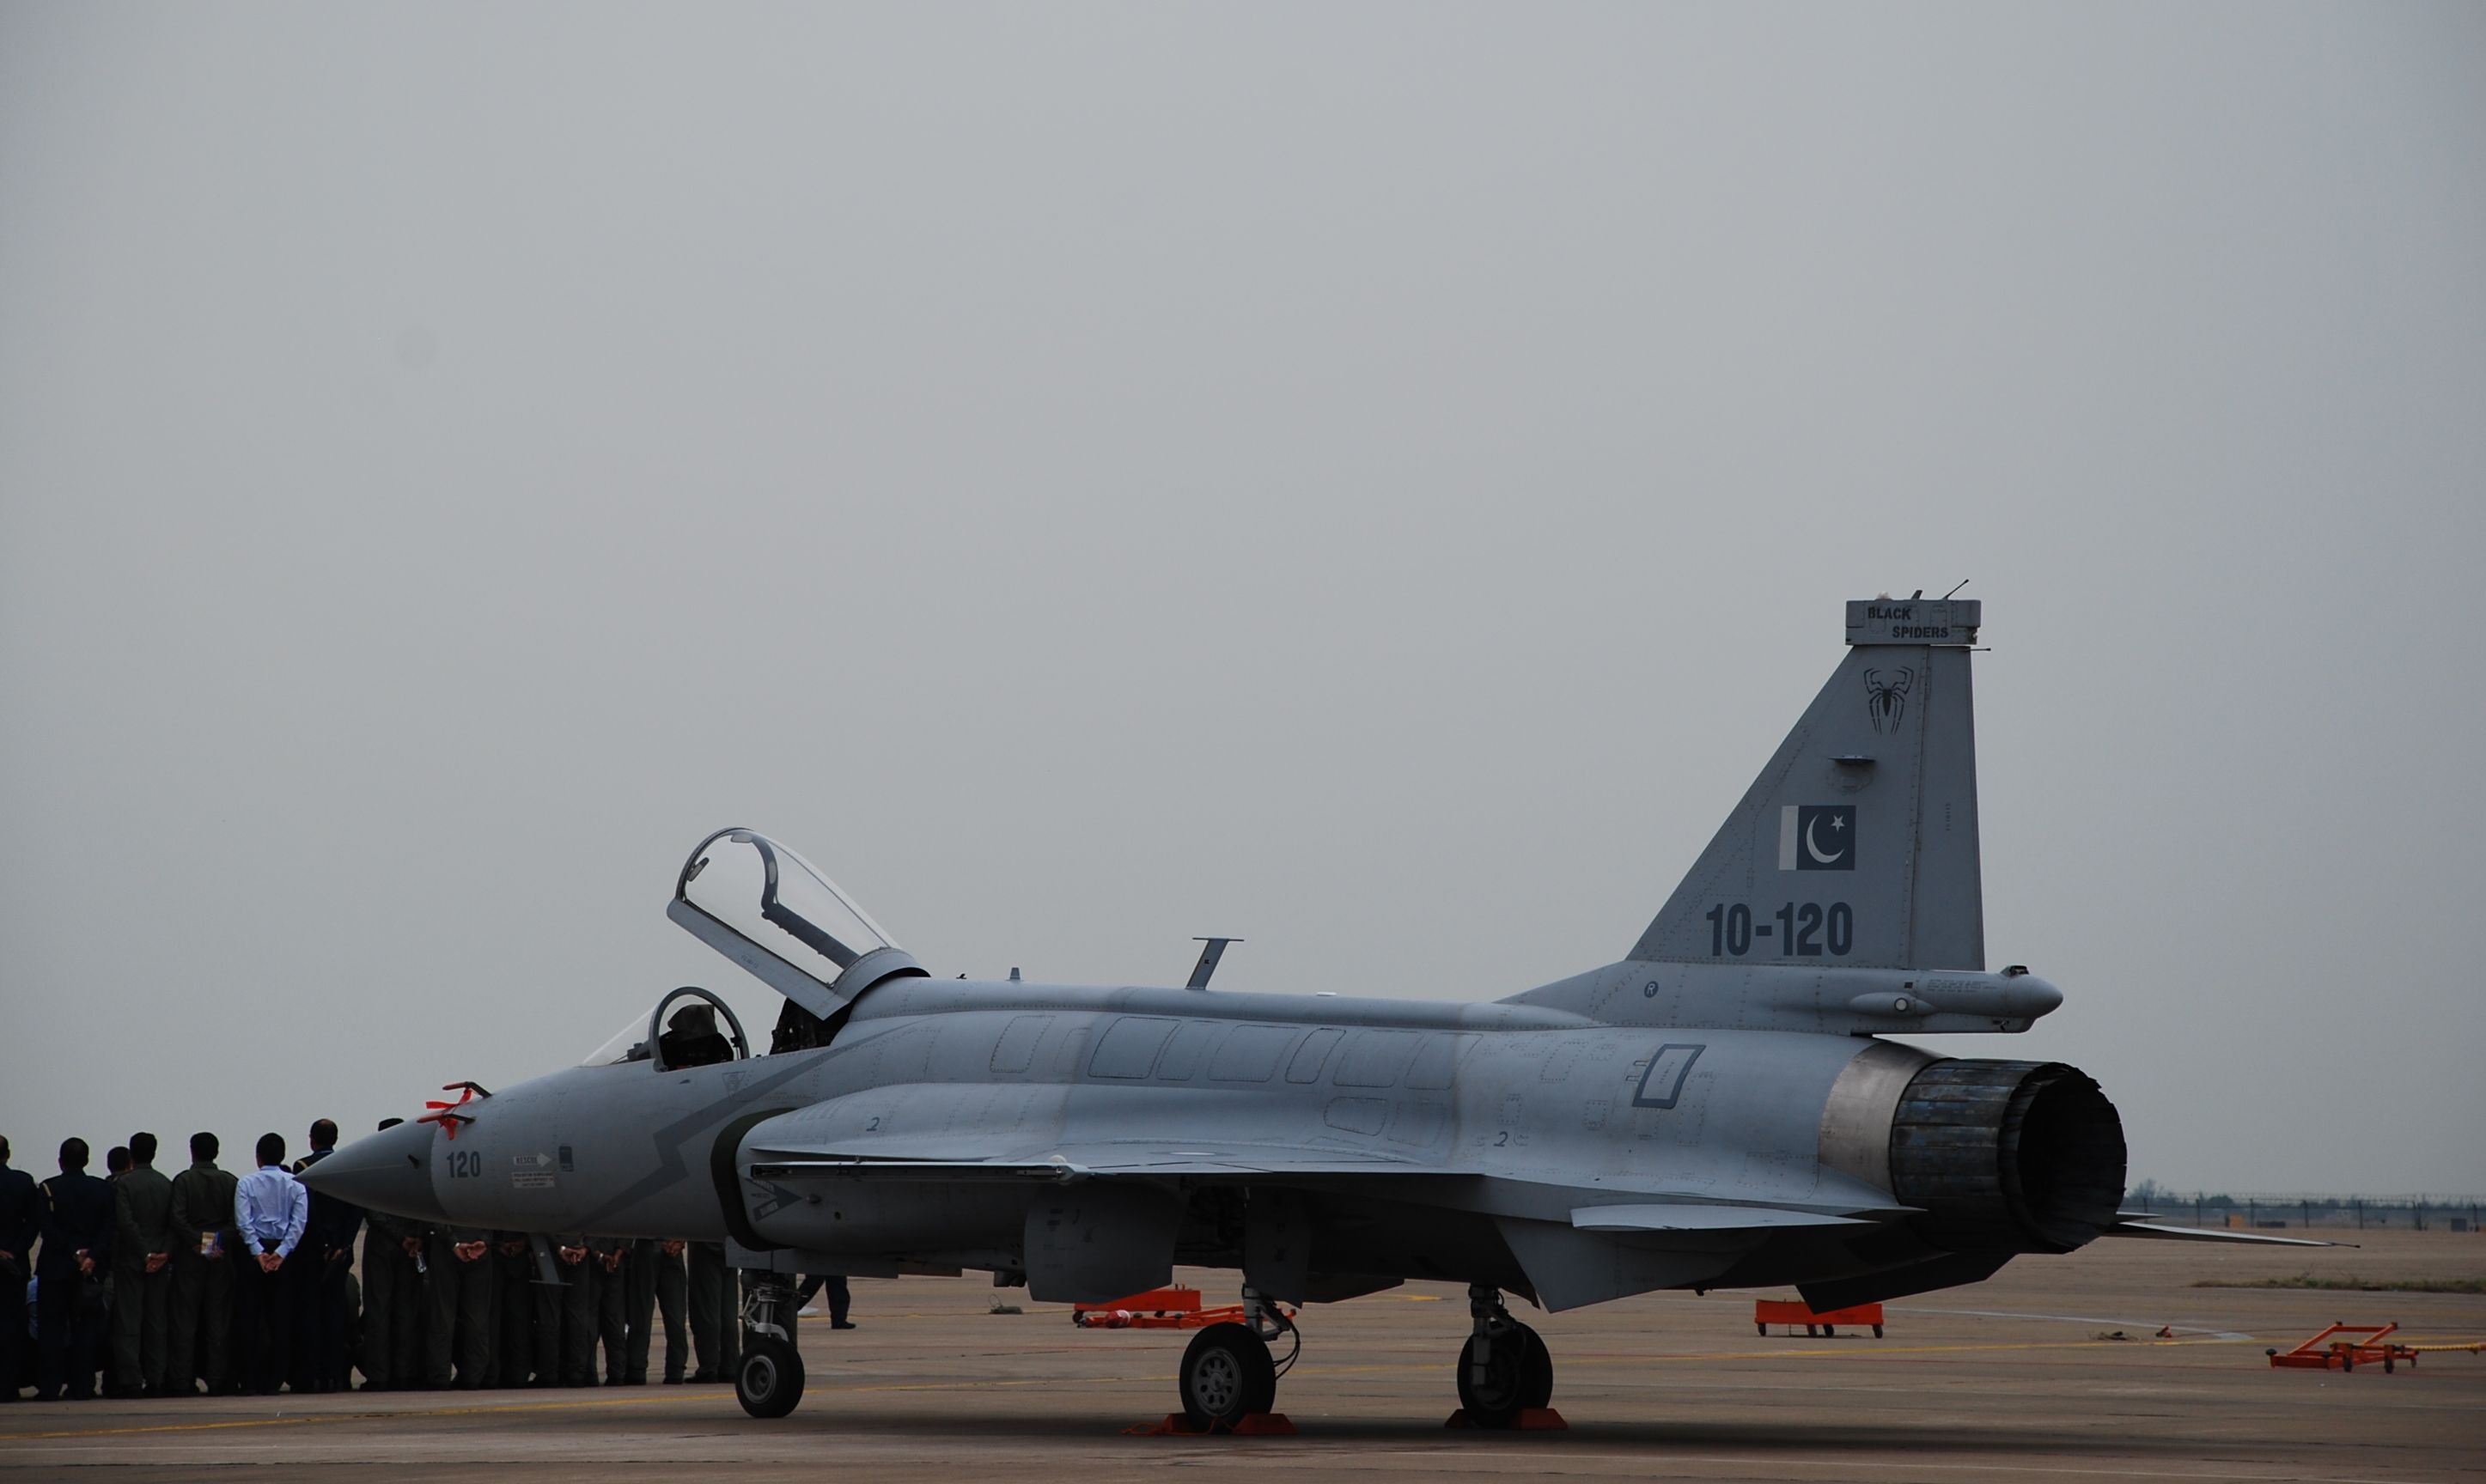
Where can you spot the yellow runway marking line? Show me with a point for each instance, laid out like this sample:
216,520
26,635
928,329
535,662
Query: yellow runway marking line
301,1419
982,1383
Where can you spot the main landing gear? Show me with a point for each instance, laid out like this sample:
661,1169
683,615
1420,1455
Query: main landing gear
1228,1373
769,1381
1505,1368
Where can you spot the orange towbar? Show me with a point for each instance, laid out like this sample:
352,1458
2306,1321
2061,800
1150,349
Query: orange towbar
2328,1350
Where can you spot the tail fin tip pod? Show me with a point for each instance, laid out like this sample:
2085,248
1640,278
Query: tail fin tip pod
1856,845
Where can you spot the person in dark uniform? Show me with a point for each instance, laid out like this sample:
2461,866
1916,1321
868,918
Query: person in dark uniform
116,1164
142,1272
716,1312
205,1245
566,1317
691,1037
459,1290
513,1322
323,1295
840,1300
611,1258
656,1280
70,1274
392,1268
22,1223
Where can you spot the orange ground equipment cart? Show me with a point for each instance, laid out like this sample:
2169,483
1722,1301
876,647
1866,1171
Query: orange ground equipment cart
1159,1308
1793,1311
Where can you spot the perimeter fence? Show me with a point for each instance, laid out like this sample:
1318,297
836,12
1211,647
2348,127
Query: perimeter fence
2275,1211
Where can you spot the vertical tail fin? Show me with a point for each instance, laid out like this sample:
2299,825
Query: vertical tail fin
1856,845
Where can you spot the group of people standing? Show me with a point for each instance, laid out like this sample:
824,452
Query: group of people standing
207,1284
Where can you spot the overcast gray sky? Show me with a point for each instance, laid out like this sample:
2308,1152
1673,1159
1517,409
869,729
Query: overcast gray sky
1375,480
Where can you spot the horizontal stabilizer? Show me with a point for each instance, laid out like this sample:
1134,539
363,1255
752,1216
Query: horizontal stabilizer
2126,1227
1686,1217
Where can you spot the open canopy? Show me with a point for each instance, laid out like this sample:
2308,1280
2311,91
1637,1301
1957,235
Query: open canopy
773,913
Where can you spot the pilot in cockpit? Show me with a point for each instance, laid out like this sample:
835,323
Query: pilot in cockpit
691,1038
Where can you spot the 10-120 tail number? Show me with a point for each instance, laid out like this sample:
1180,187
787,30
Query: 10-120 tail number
1802,930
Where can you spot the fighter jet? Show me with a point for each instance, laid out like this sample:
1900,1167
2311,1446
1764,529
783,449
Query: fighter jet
1726,1106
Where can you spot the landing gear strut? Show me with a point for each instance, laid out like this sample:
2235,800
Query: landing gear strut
1228,1373
1505,1368
769,1381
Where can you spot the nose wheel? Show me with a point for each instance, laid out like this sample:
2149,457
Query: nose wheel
769,1379
1505,1368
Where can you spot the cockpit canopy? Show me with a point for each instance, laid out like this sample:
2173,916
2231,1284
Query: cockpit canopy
775,914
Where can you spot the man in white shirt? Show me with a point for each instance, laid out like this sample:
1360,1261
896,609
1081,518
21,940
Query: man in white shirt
271,1208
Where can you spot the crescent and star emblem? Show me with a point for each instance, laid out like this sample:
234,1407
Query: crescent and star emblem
1800,837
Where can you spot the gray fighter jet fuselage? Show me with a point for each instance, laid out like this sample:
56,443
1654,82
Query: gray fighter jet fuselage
1717,1109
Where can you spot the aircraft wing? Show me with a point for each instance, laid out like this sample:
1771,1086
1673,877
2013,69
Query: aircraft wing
1045,1134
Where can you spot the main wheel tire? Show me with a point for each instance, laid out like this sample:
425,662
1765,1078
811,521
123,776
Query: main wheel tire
1494,1400
1227,1374
1535,1371
769,1381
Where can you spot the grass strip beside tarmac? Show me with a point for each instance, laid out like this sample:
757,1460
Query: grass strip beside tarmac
2352,1283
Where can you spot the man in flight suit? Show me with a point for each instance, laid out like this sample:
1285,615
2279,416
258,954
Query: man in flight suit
840,1297
611,1258
393,1264
513,1316
460,1287
142,1272
655,1279
21,1222
323,1297
716,1312
691,1037
566,1317
78,1217
205,1245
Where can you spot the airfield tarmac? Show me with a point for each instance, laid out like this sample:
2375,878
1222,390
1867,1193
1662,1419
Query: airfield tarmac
2008,1379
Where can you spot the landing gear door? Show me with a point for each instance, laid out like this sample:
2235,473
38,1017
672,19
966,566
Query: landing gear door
770,910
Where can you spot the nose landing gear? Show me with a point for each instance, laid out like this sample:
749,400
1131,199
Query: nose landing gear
769,1381
1228,1373
1504,1369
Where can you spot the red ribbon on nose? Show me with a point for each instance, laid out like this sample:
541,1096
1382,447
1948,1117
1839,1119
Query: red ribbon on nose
445,1115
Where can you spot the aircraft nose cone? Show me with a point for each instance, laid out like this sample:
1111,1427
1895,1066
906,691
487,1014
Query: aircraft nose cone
390,1171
